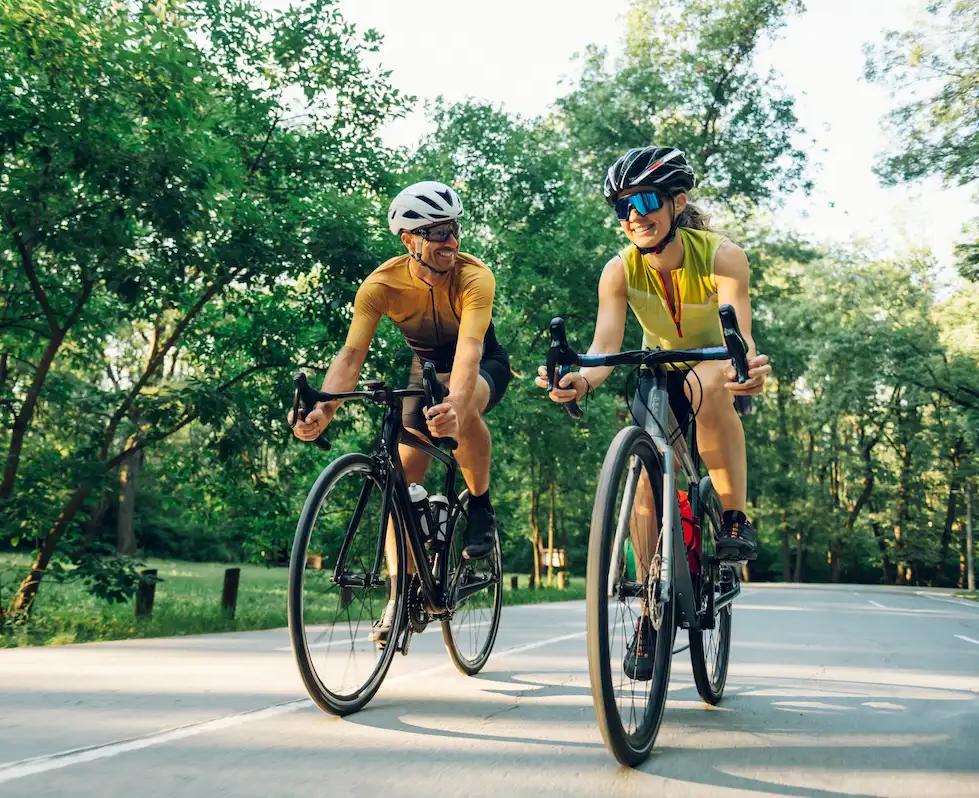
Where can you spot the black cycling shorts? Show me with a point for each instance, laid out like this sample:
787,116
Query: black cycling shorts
679,399
494,368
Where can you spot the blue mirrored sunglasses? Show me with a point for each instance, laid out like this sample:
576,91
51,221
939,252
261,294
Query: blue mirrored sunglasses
646,202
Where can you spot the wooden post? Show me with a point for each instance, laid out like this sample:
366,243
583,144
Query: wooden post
229,596
314,561
145,593
530,581
560,580
513,582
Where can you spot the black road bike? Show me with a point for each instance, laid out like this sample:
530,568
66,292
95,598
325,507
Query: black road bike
357,534
676,585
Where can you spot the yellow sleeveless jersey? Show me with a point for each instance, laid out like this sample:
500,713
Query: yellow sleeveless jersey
694,321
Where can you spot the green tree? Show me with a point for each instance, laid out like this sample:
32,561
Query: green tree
688,77
167,168
937,133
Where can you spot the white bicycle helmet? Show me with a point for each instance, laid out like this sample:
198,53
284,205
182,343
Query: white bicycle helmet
422,204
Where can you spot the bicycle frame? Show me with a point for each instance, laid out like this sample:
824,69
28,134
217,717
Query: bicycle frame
675,579
439,595
675,575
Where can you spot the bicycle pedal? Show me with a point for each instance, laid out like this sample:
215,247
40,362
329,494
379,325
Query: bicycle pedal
407,642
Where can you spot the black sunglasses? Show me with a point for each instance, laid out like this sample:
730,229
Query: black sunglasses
440,232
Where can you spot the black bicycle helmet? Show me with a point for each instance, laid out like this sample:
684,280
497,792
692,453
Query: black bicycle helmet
664,169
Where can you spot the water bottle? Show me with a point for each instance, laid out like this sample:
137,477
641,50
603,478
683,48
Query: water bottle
420,504
440,516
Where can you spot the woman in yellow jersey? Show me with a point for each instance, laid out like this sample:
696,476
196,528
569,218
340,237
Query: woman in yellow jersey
674,275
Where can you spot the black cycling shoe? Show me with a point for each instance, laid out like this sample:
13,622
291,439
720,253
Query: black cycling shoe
738,540
480,534
638,661
382,628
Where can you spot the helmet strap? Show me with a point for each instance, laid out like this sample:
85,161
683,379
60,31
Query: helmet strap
417,255
668,239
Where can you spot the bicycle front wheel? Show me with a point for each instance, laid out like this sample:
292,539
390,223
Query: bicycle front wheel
470,633
340,582
630,631
710,649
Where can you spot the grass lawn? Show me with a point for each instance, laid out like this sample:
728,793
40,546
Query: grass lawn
188,601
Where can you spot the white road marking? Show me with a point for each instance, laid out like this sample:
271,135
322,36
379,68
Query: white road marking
41,764
963,602
881,606
967,639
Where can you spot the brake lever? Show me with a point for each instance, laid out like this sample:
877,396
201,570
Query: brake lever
435,395
737,347
303,391
560,358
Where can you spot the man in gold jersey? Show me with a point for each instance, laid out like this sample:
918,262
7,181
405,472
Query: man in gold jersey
674,275
442,300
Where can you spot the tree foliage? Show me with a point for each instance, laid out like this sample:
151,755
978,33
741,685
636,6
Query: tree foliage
191,192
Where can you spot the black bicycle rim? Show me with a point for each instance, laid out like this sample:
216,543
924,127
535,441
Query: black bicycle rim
331,620
629,711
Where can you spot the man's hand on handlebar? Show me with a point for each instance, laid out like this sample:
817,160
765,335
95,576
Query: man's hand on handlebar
316,422
571,387
758,371
442,420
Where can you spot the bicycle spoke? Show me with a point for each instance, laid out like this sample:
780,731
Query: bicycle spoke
330,617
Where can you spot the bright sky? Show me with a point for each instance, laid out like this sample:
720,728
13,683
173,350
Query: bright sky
514,53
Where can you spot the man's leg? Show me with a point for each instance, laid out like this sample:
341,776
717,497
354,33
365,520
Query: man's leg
415,465
473,455
475,446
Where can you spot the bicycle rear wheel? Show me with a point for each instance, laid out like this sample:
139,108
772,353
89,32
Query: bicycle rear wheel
334,608
629,710
710,649
471,631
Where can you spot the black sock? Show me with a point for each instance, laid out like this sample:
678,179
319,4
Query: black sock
480,502
733,517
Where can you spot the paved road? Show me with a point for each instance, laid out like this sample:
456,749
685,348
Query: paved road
833,691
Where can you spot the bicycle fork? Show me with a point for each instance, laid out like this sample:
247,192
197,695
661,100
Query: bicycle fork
622,528
657,590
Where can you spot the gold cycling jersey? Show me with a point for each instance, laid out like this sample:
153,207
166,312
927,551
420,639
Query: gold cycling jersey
692,321
431,318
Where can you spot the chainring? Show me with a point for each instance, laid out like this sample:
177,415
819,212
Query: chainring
417,617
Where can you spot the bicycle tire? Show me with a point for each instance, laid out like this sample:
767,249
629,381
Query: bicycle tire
710,649
451,633
604,658
329,699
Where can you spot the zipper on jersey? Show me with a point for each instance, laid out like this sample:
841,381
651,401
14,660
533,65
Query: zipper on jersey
677,314
435,317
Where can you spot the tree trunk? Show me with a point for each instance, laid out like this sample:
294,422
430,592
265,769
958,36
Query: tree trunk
903,506
23,419
940,578
93,527
24,598
786,553
125,532
799,554
535,530
835,559
550,540
885,561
